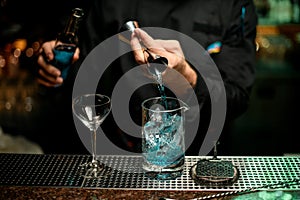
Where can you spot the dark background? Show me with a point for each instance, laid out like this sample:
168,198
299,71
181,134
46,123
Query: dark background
269,127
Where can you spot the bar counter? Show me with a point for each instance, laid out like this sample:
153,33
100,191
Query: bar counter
41,176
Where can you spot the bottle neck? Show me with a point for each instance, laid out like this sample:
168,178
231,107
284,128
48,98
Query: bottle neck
72,26
69,35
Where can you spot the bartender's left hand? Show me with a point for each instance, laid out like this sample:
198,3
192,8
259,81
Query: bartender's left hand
169,49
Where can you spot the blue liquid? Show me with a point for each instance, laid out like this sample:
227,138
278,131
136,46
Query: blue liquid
161,89
162,146
163,143
63,55
163,140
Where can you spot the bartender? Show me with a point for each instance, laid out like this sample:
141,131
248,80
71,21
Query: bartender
226,30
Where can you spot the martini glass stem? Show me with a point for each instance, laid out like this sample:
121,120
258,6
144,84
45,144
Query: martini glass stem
94,145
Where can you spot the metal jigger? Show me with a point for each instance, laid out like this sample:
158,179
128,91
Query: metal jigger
156,63
130,25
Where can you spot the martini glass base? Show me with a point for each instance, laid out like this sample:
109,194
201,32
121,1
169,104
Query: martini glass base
94,169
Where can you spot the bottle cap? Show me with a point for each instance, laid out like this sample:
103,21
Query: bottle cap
78,12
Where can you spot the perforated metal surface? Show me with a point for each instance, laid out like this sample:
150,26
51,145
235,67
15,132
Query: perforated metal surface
62,171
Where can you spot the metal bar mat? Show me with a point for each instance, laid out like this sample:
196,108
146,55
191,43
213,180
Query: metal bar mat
62,171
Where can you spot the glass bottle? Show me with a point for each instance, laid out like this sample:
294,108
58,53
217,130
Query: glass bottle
66,43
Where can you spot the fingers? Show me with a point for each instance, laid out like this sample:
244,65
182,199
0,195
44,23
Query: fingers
172,46
46,67
48,74
149,43
48,83
170,49
137,49
144,38
46,50
165,48
144,46
76,55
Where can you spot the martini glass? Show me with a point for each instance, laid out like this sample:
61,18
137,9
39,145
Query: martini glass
91,110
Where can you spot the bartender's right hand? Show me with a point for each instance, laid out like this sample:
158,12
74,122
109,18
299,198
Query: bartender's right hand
49,75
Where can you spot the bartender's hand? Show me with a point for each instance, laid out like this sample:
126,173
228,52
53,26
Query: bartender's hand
169,49
49,75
